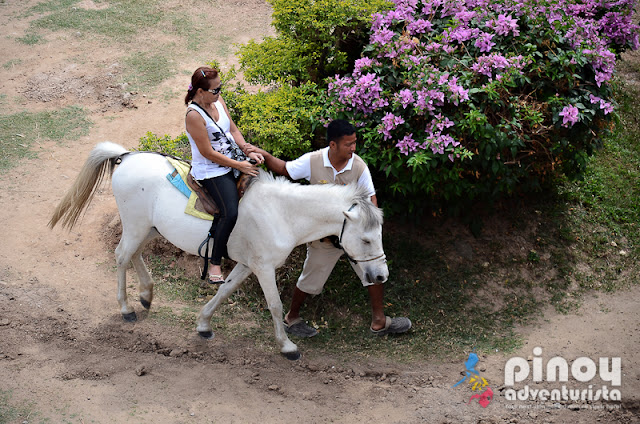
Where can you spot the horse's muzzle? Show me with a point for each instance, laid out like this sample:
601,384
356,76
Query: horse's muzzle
377,275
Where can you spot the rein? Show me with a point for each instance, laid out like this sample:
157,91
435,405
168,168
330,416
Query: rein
338,243
118,160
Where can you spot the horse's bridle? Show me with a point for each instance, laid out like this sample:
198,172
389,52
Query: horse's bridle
338,243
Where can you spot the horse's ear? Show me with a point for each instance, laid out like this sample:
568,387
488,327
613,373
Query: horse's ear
350,215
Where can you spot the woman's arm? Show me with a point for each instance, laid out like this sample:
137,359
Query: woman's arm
239,138
197,128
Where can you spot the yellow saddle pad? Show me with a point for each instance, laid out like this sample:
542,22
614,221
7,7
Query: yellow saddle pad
183,171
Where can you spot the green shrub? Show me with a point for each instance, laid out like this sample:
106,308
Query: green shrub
279,120
274,59
314,40
178,146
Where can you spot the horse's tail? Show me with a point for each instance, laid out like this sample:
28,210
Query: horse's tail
102,159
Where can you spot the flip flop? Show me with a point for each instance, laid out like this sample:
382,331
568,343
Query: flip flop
216,279
397,325
299,328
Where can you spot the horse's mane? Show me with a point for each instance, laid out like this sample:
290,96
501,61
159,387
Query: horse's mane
372,215
354,194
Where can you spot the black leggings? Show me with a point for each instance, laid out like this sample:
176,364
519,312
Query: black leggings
224,192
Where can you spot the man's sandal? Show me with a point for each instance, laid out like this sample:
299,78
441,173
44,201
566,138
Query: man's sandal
396,325
216,279
299,328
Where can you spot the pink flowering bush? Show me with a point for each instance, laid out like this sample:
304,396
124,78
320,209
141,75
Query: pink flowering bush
461,100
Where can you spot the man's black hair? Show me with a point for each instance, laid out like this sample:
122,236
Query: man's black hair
339,128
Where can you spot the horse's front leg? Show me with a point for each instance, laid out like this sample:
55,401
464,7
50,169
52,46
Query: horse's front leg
267,279
239,273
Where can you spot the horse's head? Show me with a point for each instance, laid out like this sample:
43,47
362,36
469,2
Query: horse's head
361,239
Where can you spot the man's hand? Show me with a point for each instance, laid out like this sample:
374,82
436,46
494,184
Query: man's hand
258,157
273,163
250,148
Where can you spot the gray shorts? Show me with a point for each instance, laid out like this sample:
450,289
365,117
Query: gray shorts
321,259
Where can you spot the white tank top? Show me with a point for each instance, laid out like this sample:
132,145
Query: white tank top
201,167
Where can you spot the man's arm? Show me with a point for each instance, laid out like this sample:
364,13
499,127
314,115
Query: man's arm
273,163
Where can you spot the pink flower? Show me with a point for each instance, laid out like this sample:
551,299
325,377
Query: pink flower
361,63
390,122
505,25
458,92
383,36
419,26
407,144
606,107
484,42
405,97
569,116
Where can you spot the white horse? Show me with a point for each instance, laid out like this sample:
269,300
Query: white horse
274,216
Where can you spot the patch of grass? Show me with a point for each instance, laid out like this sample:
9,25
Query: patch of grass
122,20
118,19
10,64
186,317
66,416
440,300
245,314
603,210
193,32
15,412
144,70
171,283
137,24
224,46
18,131
30,39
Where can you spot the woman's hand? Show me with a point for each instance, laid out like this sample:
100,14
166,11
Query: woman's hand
257,157
247,168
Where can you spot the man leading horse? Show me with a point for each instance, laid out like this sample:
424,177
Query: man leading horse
335,164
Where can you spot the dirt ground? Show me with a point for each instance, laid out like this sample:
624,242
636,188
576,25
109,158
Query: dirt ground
67,356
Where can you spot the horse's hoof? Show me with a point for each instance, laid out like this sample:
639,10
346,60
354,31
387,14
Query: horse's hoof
292,356
145,303
206,334
130,317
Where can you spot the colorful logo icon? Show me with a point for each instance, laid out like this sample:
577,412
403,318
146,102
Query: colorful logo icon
476,381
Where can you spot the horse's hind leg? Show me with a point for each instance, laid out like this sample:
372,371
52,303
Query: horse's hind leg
145,280
267,279
130,243
239,273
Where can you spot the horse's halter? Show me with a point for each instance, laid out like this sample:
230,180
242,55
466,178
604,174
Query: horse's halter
338,244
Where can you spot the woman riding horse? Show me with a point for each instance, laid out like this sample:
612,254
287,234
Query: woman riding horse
211,133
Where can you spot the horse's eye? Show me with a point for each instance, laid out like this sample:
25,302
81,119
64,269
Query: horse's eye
365,241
